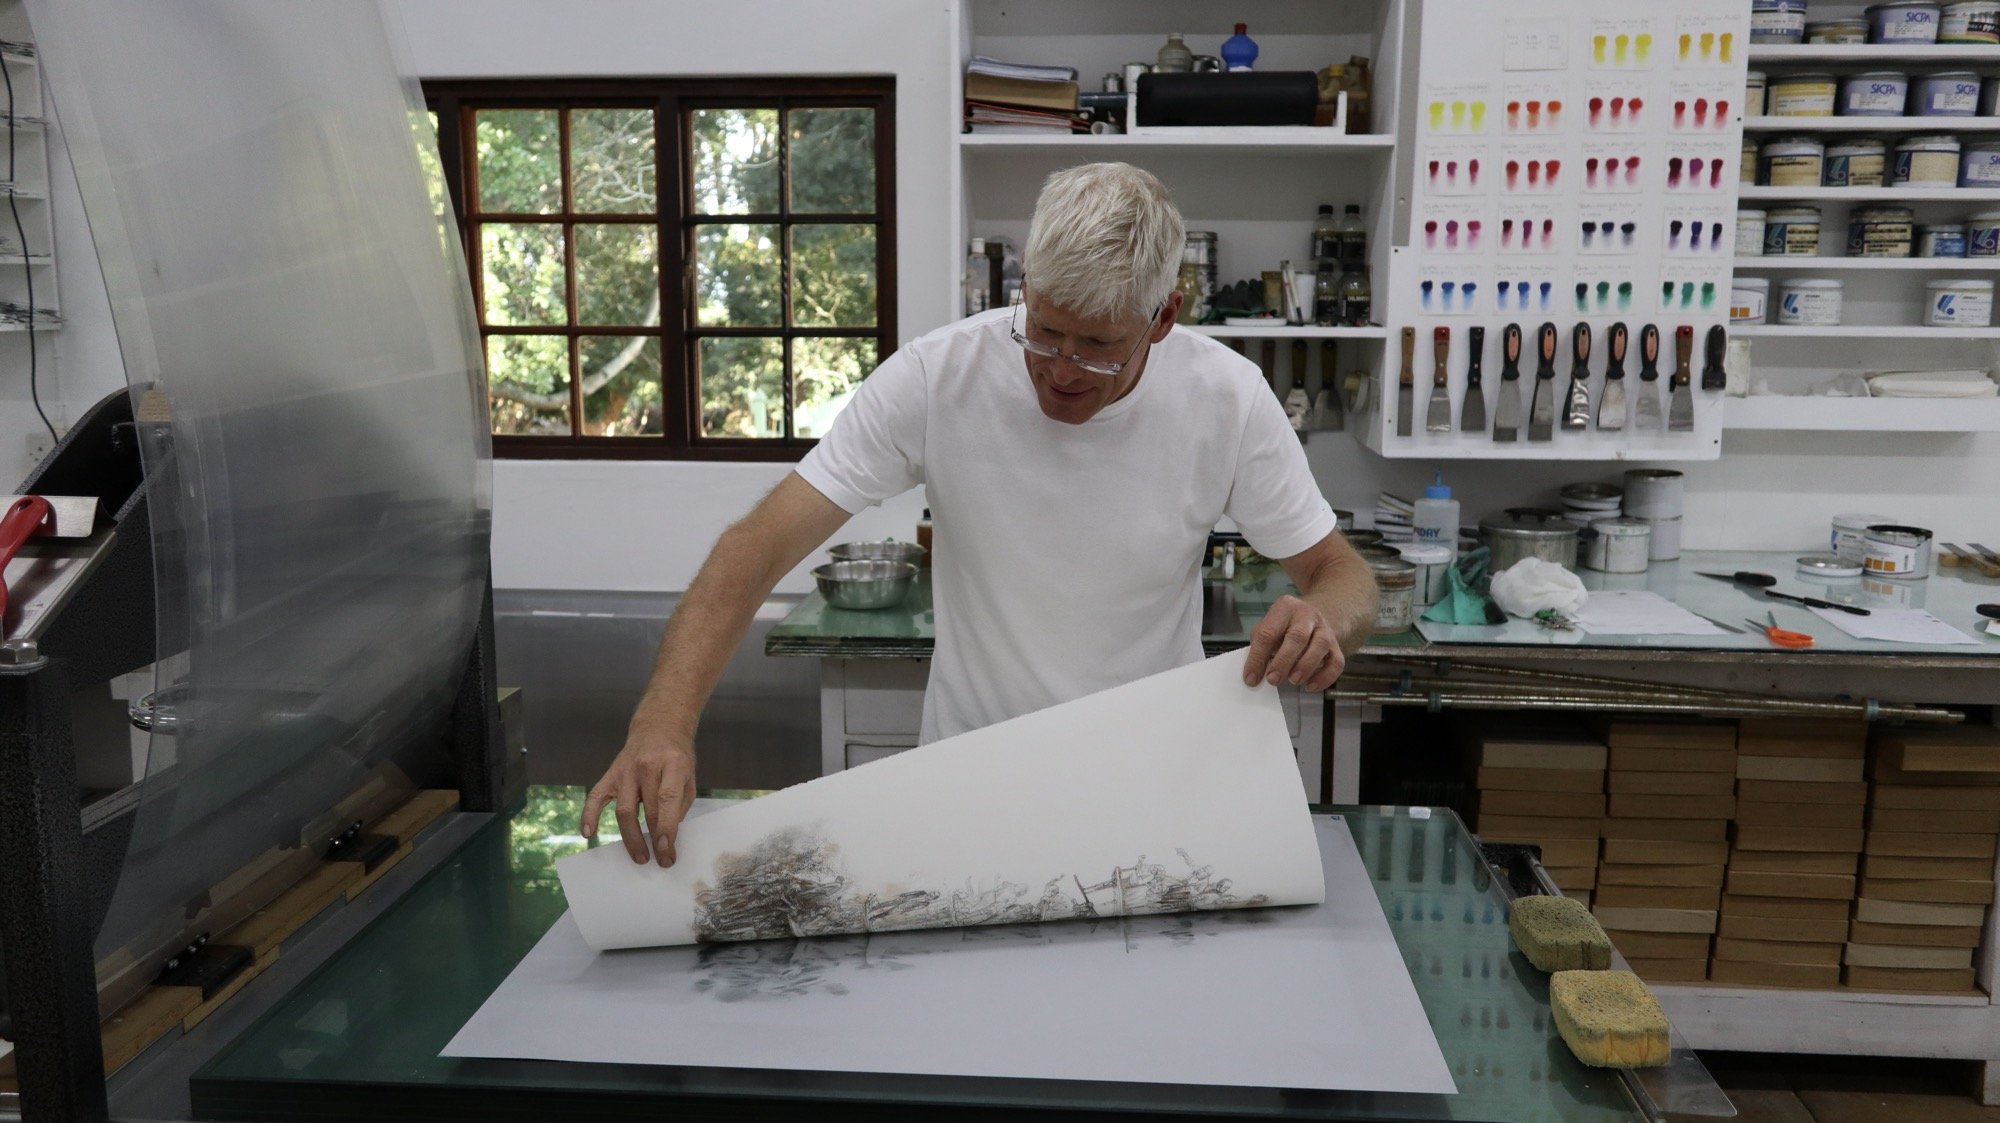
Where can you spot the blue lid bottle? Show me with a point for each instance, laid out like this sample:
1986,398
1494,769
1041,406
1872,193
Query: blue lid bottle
1239,51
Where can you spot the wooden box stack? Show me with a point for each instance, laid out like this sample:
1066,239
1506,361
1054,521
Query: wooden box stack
1671,793
1800,797
1549,792
1927,866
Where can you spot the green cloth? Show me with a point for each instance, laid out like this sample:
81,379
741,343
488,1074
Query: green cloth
1465,600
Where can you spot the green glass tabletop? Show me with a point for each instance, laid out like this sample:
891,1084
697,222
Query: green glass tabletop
361,1036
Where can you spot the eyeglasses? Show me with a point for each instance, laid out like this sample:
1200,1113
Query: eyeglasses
1091,366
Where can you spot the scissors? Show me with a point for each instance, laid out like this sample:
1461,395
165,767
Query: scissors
1780,636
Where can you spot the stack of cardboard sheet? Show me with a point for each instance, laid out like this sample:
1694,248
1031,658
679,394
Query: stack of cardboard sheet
1927,870
1800,796
1671,794
1550,792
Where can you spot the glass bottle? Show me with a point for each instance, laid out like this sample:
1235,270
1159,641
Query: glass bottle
1174,57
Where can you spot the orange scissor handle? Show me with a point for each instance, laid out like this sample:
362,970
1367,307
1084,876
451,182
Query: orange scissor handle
1781,636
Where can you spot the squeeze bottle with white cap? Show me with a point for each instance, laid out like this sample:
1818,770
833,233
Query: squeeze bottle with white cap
1436,518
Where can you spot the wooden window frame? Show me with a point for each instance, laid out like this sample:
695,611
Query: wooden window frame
672,101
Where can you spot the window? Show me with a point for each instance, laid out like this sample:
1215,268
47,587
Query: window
673,269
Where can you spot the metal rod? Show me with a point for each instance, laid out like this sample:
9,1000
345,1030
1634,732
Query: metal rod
1769,705
1547,676
1750,706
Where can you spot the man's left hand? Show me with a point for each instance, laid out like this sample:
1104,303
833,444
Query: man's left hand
1294,644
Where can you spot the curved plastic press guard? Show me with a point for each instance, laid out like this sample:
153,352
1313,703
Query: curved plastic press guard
28,516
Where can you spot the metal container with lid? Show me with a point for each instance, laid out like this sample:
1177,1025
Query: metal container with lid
1797,161
1855,162
1954,93
1360,538
1800,95
1530,532
1906,22
1591,497
1930,160
1874,93
1837,31
1621,545
1791,231
1654,493
1396,581
1898,551
1881,232
1970,21
1850,532
1433,562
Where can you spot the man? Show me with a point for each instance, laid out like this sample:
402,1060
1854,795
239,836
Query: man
1075,453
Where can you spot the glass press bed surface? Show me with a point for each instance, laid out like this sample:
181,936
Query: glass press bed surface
362,1034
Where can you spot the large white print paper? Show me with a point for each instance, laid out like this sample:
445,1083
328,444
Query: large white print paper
1314,997
1178,792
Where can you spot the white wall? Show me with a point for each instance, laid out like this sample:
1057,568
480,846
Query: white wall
649,524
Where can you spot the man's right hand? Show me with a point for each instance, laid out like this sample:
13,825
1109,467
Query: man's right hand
653,770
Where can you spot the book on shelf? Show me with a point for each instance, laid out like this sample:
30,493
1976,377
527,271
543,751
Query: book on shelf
994,68
1024,93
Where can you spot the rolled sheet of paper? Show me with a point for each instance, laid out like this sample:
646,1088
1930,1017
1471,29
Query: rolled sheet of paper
1176,793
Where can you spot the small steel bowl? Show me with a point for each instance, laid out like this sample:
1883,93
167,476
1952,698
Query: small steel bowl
887,550
874,583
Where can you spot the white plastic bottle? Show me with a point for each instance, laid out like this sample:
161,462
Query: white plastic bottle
978,279
1436,518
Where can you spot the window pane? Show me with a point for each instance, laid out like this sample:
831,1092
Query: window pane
621,385
523,273
527,378
611,160
742,387
833,276
833,160
825,373
617,275
520,161
737,275
735,160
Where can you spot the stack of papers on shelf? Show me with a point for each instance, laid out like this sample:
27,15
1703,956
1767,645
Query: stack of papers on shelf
1393,518
1933,384
981,117
1007,98
981,64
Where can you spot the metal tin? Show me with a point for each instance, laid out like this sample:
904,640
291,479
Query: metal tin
1944,239
1395,608
1622,545
1982,235
1666,541
1433,564
1801,95
1952,94
1749,300
1930,160
1878,93
1897,551
1837,31
1654,493
1970,21
1855,162
1360,538
1826,566
1591,497
1958,304
1980,166
1777,21
1377,551
1795,161
1881,232
1754,83
1530,532
1791,231
1810,302
1905,22
1850,533
1749,233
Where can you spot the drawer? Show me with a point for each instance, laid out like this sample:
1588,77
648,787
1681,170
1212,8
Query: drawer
885,696
862,754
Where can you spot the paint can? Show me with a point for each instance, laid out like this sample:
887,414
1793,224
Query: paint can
1791,231
1749,232
1749,300
1837,31
1654,493
1944,239
1878,93
1930,160
1970,21
1395,608
1897,551
1952,94
1746,168
1810,302
1360,538
1797,161
1666,539
1958,304
1980,166
1754,82
1881,232
1433,566
1803,95
1777,21
1982,235
1904,22
1622,545
1850,535
1855,162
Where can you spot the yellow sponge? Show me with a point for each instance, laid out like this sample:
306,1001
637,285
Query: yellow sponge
1609,1019
1559,934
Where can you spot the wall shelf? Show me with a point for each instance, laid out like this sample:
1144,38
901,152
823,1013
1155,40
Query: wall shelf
1971,54
1863,331
1305,141
1872,264
1877,415
1870,124
1874,194
1288,331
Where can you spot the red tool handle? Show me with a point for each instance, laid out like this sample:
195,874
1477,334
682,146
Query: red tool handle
24,519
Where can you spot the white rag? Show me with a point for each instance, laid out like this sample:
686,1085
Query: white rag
1533,585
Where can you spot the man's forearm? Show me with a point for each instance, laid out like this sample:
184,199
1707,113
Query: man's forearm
1344,591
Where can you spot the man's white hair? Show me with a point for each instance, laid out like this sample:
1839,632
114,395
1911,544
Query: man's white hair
1105,242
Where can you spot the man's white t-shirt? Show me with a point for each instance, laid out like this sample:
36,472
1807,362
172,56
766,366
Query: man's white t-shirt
1066,557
